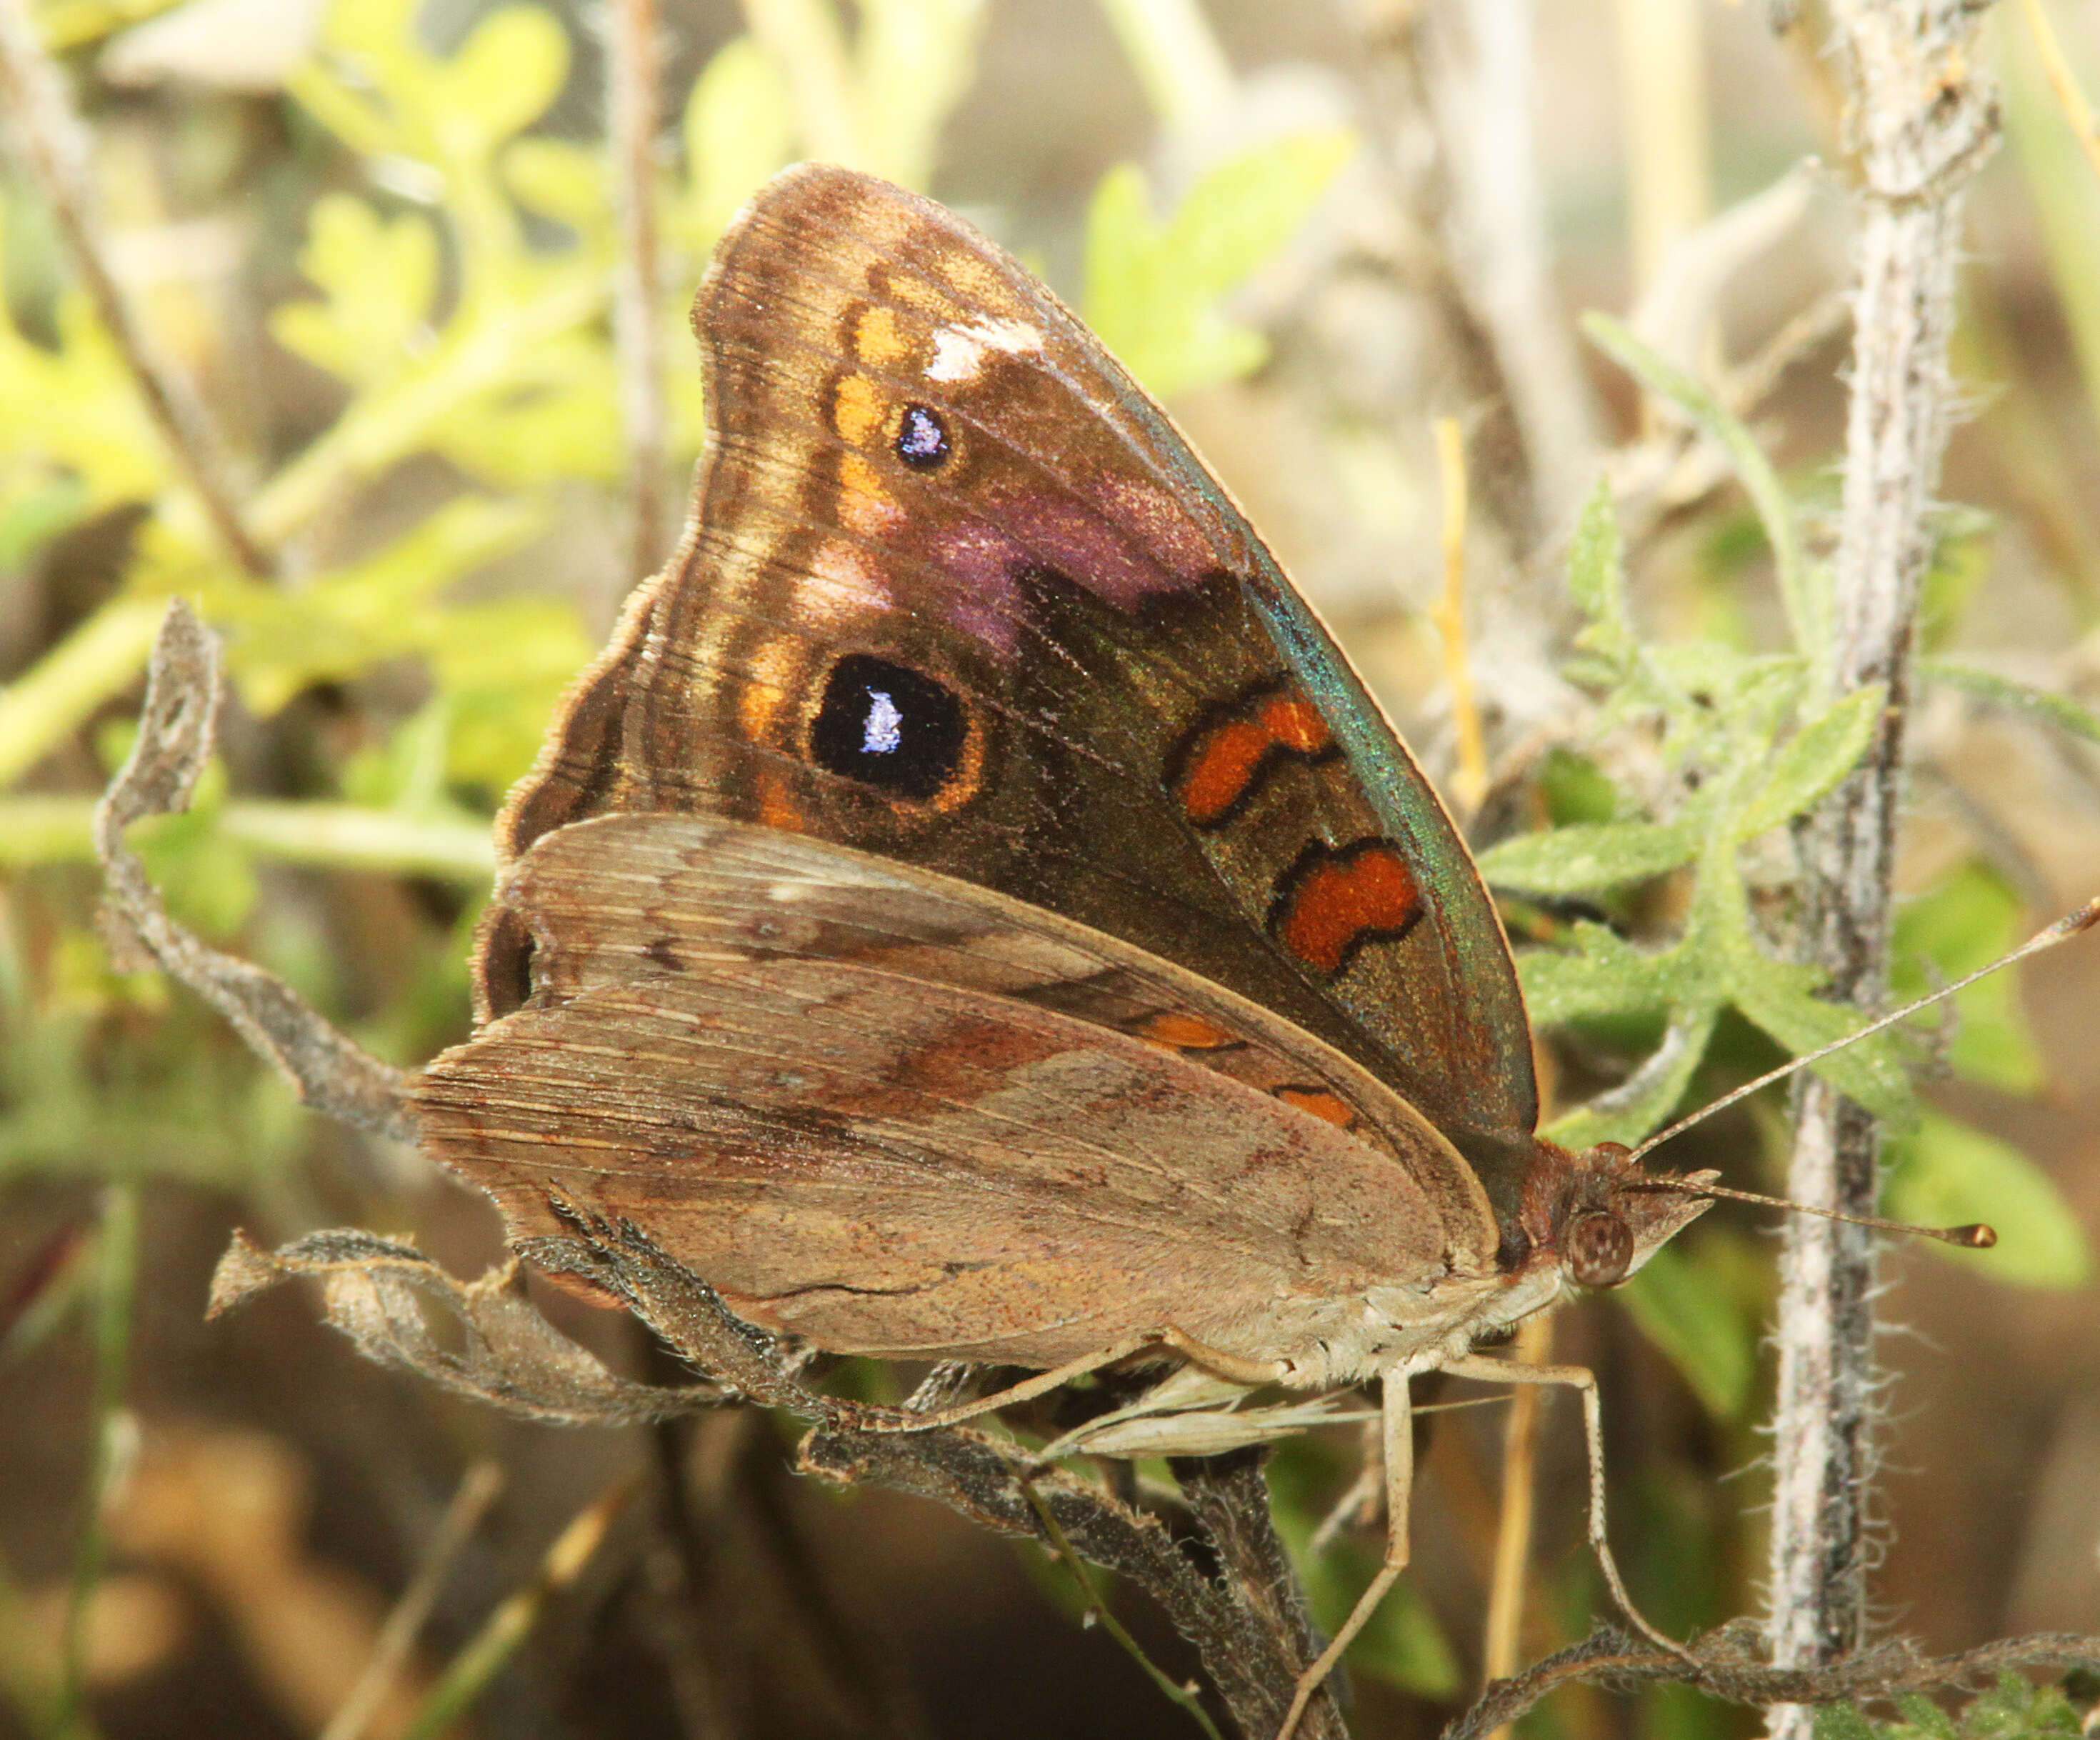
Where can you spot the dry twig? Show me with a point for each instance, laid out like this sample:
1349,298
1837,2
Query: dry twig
1726,1666
53,150
634,72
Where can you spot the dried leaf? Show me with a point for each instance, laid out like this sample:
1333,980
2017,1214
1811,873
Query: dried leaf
383,1294
330,1072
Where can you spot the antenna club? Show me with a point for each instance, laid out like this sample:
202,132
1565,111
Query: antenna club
2084,918
1976,1237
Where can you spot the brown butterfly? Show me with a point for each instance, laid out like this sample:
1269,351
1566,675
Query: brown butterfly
972,910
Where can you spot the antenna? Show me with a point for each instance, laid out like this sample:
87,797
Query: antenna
1974,1237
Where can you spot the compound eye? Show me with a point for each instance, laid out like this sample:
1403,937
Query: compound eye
1600,1249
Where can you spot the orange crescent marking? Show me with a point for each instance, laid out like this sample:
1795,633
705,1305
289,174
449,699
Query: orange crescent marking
1230,756
1224,765
1338,904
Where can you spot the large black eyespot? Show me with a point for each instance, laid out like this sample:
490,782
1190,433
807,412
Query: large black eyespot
922,438
890,727
1598,1248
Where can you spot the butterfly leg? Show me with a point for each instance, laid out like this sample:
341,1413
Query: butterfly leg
1482,1369
1396,1427
1248,1371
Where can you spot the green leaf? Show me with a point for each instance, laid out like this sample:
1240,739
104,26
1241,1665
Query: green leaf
1965,921
555,418
1842,1722
1153,291
1604,974
913,60
1812,762
1800,589
31,518
1702,1329
1589,855
1947,1173
507,70
1597,576
559,180
340,623
1575,788
1781,997
2043,704
1926,1716
378,278
1403,1643
1638,1105
738,129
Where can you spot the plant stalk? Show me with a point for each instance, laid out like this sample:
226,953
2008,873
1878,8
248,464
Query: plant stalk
1919,117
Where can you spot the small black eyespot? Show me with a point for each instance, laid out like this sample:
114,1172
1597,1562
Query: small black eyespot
922,438
890,727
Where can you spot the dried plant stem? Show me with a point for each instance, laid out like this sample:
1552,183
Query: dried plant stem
477,1491
1664,116
53,150
116,1288
1469,780
1919,119
1728,1664
2063,81
1504,1634
514,1619
634,74
1099,1609
1479,62
1176,56
331,1072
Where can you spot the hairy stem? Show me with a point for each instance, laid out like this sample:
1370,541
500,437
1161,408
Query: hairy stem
1919,119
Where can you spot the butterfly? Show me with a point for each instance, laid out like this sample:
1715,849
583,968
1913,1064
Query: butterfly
972,910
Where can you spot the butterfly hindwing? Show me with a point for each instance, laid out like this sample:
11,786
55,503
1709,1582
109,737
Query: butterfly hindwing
881,1109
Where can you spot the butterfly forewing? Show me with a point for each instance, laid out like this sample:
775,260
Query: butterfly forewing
955,592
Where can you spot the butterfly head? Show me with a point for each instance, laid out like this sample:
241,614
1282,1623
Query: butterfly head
1597,1216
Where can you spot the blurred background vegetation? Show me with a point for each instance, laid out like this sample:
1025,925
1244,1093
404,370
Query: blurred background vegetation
386,244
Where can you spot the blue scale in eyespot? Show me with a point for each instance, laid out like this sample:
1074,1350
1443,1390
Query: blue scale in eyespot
890,727
883,731
922,438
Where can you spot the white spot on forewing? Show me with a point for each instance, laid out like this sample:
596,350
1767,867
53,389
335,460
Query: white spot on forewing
843,585
958,351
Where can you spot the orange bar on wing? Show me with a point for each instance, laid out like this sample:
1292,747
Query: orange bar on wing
1179,1030
1341,904
1320,1103
1230,756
